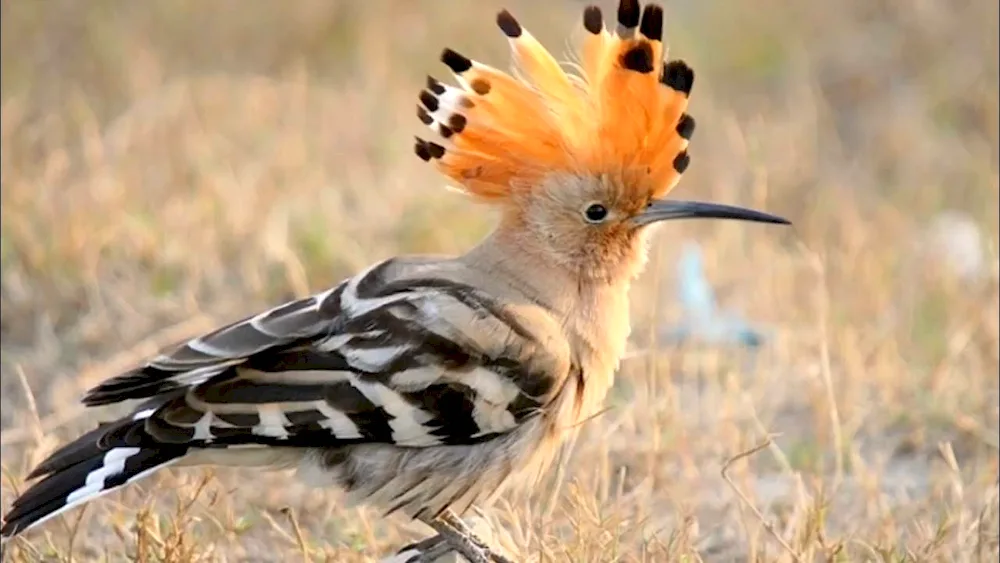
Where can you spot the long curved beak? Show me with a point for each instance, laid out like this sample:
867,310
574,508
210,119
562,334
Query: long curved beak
664,210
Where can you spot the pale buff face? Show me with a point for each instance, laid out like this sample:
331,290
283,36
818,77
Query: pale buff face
554,220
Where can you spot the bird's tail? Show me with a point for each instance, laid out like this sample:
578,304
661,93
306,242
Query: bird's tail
95,464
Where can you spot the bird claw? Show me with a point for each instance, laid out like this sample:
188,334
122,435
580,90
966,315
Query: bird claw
435,552
454,536
432,549
469,551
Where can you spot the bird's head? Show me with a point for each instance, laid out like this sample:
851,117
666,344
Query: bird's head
580,162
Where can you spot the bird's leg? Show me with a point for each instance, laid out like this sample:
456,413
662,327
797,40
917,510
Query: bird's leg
458,528
436,548
454,521
428,550
464,544
434,554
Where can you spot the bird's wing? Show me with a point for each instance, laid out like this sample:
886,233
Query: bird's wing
418,361
271,334
414,360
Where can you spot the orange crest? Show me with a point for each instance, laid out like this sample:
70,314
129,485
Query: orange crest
621,113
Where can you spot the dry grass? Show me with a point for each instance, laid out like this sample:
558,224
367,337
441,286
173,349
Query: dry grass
168,165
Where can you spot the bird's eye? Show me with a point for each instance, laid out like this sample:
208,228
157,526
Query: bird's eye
595,213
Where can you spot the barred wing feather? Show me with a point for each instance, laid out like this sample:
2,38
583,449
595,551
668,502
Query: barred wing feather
414,362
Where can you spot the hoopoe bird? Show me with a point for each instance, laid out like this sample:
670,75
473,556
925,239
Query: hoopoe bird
424,384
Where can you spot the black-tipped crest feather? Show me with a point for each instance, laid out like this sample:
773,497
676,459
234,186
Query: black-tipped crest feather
456,62
681,162
678,75
429,100
628,14
685,126
508,24
423,116
435,86
639,58
593,20
652,22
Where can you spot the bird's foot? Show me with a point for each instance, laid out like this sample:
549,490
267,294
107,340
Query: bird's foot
454,536
433,549
429,550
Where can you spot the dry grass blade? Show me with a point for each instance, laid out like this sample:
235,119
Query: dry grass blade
166,169
749,504
299,537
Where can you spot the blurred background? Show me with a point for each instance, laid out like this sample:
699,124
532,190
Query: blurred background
168,166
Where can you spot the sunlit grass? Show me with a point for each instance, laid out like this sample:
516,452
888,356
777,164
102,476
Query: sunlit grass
167,166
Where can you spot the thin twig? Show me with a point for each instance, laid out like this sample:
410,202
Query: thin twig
823,322
299,537
746,500
74,531
29,396
277,527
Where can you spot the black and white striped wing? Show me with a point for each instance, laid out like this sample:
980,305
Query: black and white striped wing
273,333
130,448
414,363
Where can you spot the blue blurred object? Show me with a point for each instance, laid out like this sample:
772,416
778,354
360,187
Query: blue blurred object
702,320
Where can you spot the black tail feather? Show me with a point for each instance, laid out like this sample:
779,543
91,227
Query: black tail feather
85,469
69,455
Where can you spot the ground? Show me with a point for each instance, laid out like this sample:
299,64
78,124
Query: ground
171,165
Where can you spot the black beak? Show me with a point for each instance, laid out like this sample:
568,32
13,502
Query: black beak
663,210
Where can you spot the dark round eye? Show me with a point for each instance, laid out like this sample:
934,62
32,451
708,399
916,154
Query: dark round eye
595,212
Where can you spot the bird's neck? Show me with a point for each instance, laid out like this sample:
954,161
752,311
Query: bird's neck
516,263
594,314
